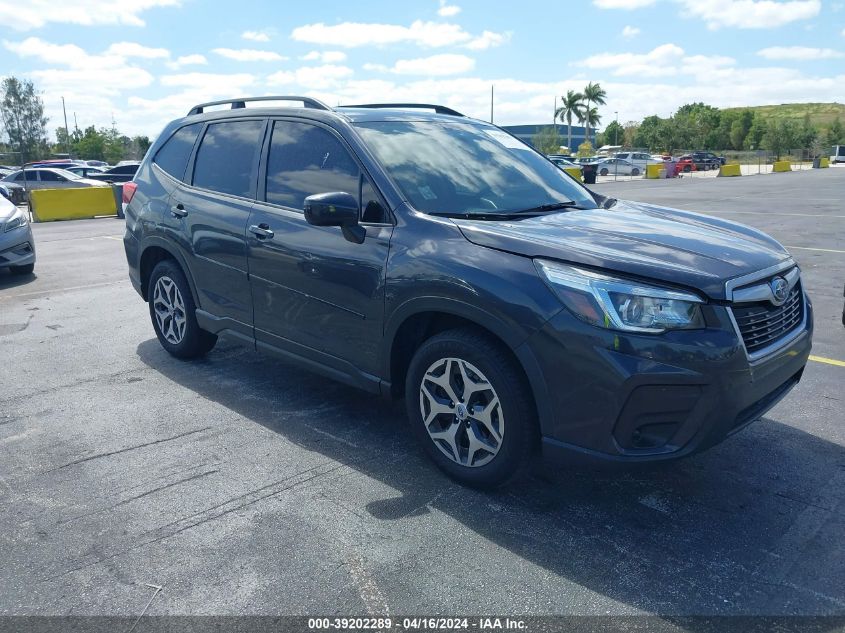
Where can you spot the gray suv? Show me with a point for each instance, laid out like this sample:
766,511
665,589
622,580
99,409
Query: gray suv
414,252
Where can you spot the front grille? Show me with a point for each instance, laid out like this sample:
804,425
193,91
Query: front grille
761,324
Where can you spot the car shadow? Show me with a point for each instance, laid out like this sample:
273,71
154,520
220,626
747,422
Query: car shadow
8,280
712,534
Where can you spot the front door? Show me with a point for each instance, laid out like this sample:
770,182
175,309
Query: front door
315,293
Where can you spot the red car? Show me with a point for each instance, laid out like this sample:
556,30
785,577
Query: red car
686,165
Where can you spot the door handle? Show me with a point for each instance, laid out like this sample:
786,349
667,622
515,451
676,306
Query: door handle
178,211
262,231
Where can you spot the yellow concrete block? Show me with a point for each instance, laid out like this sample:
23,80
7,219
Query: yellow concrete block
782,165
730,170
72,203
653,171
575,172
824,163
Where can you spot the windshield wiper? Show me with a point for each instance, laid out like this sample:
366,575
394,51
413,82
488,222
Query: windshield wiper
551,206
482,215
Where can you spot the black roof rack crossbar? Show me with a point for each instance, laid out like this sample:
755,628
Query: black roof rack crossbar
439,109
307,102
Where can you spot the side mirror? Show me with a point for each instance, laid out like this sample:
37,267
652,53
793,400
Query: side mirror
336,208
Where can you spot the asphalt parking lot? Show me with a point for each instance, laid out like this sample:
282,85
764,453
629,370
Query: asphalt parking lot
241,485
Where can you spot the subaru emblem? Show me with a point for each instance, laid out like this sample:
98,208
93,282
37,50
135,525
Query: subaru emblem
780,290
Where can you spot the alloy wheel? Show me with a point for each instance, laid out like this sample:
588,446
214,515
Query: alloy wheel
169,309
461,412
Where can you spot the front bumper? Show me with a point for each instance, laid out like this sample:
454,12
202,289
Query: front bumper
618,397
17,248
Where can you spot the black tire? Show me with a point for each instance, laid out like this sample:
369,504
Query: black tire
22,270
635,172
519,430
687,169
195,341
603,172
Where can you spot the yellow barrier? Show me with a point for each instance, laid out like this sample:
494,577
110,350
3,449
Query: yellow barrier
824,163
73,203
653,171
730,170
782,165
575,172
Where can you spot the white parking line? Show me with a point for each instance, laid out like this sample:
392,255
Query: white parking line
56,290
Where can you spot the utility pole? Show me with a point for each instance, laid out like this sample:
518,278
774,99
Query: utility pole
491,103
616,130
67,131
75,126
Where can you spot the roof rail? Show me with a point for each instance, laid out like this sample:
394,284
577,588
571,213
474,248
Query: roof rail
307,102
439,109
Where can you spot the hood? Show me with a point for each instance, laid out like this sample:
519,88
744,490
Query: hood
632,238
6,209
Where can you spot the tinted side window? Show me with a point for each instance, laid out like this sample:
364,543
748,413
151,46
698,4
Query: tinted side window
174,154
50,176
304,160
127,169
226,156
29,176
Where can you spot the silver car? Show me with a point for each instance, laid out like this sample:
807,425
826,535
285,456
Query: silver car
17,248
618,167
50,178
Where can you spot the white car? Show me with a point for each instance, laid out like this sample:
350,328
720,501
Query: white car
617,167
638,159
50,178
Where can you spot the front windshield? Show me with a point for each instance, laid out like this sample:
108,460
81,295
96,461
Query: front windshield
467,168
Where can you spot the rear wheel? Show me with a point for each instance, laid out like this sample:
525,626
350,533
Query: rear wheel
687,169
470,407
603,172
635,172
173,313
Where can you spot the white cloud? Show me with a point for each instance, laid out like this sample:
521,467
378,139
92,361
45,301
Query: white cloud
325,77
255,36
799,53
326,57
249,55
623,4
751,14
32,14
448,10
352,34
488,39
661,61
630,31
132,49
434,66
204,80
188,60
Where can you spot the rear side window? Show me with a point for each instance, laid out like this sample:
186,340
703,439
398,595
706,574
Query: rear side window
304,160
226,157
50,176
174,154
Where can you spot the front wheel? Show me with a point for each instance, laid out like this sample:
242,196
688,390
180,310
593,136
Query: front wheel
470,407
173,313
687,169
603,172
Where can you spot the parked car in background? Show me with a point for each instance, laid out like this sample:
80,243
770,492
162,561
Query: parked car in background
837,154
85,170
118,174
686,164
638,159
17,248
13,192
617,167
96,163
706,160
49,178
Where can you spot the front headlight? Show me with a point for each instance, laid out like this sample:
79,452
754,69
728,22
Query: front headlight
619,304
17,220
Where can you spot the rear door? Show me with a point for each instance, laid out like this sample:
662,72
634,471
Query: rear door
316,294
210,212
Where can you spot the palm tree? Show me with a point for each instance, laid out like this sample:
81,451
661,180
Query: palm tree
593,93
571,104
592,119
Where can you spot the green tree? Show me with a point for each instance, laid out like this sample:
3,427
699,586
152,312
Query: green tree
807,134
92,145
547,140
780,137
22,112
737,134
835,134
648,133
593,94
614,134
571,105
756,133
140,145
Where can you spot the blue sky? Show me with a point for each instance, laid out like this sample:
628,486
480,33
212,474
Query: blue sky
145,62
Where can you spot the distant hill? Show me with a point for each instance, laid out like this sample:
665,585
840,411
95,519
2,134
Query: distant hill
822,114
